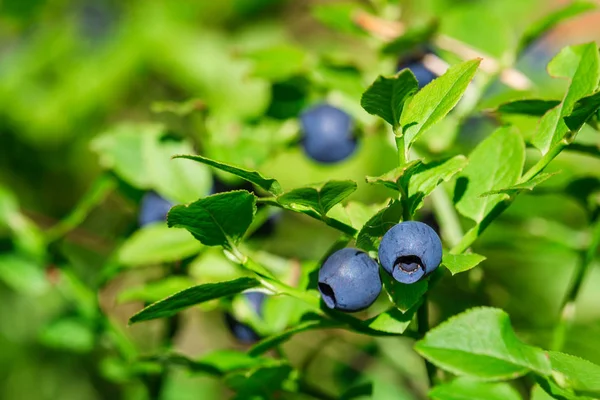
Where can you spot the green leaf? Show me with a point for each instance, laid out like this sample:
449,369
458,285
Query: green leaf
495,163
481,343
370,235
540,27
192,296
387,96
403,296
529,185
217,220
550,390
435,100
576,373
583,110
68,334
410,39
338,16
581,64
278,62
461,262
22,274
392,321
533,107
217,363
393,179
269,184
154,291
469,389
319,198
260,381
157,243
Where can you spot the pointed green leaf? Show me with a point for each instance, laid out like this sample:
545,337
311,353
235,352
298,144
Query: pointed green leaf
371,233
581,64
583,110
529,185
435,100
461,262
470,389
393,321
481,343
320,198
495,163
192,296
403,296
217,220
269,184
575,373
533,107
387,96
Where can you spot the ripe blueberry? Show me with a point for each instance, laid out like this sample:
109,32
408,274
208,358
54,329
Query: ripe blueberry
410,250
349,280
414,62
244,333
327,134
153,208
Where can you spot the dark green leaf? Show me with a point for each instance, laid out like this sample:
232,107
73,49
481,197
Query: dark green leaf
217,220
387,96
260,381
435,100
533,107
495,163
529,185
461,262
481,343
410,39
583,110
403,296
370,235
268,184
469,389
192,296
319,198
576,373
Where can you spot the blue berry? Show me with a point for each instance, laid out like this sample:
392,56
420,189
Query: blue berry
327,134
349,280
244,333
153,208
409,251
414,62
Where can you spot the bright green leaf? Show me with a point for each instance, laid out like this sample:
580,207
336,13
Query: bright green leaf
392,321
481,343
278,62
154,291
533,107
403,296
469,389
320,198
70,334
371,233
338,16
461,262
192,296
22,274
529,185
575,373
583,110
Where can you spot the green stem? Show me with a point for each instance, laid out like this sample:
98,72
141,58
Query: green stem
423,328
544,161
402,158
567,311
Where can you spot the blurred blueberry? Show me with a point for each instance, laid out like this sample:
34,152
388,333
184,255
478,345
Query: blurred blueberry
349,280
327,134
97,19
414,62
409,251
241,331
153,208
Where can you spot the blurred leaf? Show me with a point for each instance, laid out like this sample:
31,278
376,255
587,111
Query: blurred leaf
193,296
548,22
338,16
218,362
358,391
217,220
533,107
22,274
278,62
154,291
435,100
180,109
403,296
410,39
576,373
461,262
320,198
387,96
68,334
466,388
269,184
157,243
371,233
529,185
581,64
260,381
583,110
481,343
495,163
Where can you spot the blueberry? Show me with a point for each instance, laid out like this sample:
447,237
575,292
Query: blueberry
153,208
243,332
414,62
410,250
349,280
327,134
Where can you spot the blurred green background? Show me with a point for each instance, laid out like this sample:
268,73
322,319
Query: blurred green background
96,95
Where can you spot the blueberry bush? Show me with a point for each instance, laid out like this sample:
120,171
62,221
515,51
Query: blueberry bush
263,199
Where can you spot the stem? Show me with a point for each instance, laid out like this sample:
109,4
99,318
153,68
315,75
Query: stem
544,161
567,311
401,149
423,328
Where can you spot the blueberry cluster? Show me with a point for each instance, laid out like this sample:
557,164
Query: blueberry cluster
349,279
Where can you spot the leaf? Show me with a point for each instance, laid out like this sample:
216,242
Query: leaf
392,321
370,235
533,107
260,381
68,334
22,274
403,296
550,390
157,243
469,389
583,110
581,64
496,163
320,198
217,363
154,291
435,100
576,373
411,39
480,342
540,27
338,16
461,262
278,62
392,179
269,184
217,220
529,185
387,96
192,296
